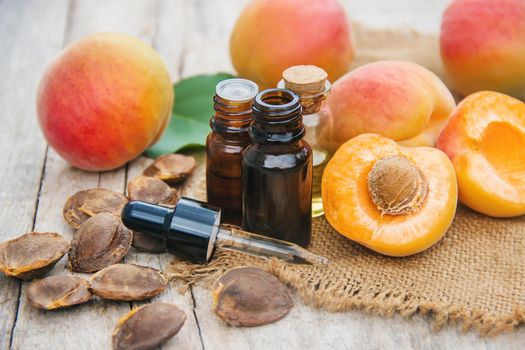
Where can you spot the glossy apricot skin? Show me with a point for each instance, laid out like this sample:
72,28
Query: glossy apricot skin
270,36
485,139
397,99
104,100
483,46
349,208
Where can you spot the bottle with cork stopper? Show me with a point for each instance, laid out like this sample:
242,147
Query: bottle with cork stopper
312,85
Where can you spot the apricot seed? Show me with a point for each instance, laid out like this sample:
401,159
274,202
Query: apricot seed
128,282
87,203
250,296
396,186
152,190
171,168
57,292
148,326
99,242
31,255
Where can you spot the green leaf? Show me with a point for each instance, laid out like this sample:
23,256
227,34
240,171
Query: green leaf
191,114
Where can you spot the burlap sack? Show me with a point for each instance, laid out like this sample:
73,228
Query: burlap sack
474,275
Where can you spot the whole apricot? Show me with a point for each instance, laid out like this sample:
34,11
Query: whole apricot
104,100
483,46
485,139
395,200
270,36
397,99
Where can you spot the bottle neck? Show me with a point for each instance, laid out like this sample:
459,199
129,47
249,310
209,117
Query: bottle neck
312,103
231,116
278,117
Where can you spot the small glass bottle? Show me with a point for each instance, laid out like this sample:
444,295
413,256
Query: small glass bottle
224,145
311,84
277,170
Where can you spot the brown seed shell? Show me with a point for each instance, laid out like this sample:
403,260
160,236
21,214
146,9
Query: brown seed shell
152,190
57,292
171,168
99,242
396,186
31,255
250,296
148,326
128,282
87,203
148,243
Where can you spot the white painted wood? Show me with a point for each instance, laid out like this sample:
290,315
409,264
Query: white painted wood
24,49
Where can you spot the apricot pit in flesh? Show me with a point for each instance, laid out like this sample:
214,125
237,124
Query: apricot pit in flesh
396,186
395,200
250,296
57,292
31,255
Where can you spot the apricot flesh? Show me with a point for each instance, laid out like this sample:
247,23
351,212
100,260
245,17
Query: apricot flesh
351,211
485,139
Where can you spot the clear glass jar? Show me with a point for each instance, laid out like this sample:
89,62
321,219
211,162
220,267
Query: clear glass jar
312,106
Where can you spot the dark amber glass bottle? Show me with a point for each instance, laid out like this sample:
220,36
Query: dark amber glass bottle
224,145
277,170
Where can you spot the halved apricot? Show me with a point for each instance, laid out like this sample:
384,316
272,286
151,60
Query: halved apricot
395,200
485,139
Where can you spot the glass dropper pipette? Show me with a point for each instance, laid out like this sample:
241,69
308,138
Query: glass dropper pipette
193,230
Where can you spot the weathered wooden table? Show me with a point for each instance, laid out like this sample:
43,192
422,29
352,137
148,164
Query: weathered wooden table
192,37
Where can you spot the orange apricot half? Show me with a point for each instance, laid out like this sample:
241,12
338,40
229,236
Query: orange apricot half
395,200
485,139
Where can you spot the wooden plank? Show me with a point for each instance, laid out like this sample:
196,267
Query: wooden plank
90,325
23,55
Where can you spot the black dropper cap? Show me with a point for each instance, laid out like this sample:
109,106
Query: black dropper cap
190,229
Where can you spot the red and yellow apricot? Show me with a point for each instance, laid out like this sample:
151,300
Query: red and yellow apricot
485,139
397,99
483,46
395,200
270,36
104,100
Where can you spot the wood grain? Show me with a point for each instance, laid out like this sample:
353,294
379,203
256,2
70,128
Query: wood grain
24,51
88,325
192,38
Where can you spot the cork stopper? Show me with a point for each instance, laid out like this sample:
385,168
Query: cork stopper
305,80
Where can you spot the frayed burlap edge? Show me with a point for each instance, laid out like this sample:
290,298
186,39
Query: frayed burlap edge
386,303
